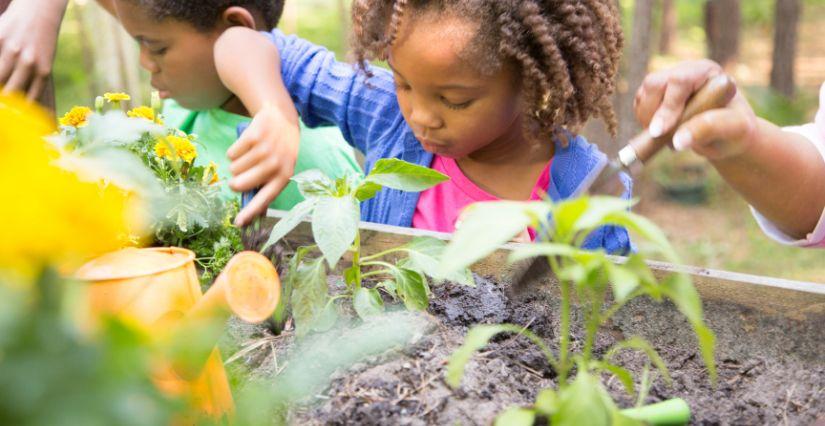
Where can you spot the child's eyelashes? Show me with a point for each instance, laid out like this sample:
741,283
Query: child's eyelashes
158,52
456,106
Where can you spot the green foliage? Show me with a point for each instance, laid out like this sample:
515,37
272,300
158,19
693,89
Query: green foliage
53,373
594,276
334,209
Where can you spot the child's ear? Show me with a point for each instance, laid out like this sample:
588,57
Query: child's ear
237,16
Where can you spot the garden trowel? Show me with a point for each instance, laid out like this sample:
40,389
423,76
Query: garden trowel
716,93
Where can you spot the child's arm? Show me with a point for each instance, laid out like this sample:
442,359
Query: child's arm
264,156
780,173
328,92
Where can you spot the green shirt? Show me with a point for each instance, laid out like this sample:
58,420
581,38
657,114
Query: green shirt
322,148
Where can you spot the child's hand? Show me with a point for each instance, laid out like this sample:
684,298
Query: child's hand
717,135
264,156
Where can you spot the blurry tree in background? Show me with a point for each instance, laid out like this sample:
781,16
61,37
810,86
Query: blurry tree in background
785,46
723,22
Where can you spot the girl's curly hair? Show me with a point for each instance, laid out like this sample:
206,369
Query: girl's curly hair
567,51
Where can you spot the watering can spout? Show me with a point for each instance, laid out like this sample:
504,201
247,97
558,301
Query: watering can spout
248,287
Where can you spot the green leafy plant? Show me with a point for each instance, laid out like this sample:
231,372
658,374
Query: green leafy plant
334,209
140,153
599,283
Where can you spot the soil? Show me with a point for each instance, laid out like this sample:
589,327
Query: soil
759,383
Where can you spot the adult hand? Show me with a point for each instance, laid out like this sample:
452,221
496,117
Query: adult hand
28,40
717,134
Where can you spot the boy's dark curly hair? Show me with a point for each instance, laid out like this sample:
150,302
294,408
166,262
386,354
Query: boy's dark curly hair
567,51
204,14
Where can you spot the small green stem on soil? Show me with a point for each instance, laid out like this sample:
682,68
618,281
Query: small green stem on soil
564,344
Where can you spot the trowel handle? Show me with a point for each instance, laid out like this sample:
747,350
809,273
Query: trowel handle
715,93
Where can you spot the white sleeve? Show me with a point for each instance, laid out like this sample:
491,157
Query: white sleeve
815,134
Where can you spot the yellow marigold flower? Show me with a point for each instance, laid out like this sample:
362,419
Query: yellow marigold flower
143,112
176,147
76,117
116,97
59,219
210,174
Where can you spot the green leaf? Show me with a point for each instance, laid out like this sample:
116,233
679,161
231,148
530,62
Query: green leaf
350,275
367,303
598,208
367,190
583,402
516,416
530,251
334,225
424,253
623,281
309,295
412,289
707,346
637,266
644,346
290,221
487,226
390,287
565,216
647,229
679,289
404,176
313,183
621,373
547,402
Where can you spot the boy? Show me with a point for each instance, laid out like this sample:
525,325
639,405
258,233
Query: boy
176,46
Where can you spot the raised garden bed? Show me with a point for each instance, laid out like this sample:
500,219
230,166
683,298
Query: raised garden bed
770,350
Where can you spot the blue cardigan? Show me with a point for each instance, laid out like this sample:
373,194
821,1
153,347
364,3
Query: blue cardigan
328,92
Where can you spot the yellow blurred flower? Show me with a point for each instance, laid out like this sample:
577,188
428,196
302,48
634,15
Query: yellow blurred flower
174,147
116,97
210,174
53,217
144,112
76,117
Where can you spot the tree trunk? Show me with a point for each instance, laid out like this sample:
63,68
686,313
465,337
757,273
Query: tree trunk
638,58
723,20
47,98
784,46
669,21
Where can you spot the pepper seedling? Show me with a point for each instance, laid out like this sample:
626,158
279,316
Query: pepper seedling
333,207
602,287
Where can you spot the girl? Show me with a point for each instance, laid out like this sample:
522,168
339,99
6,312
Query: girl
485,91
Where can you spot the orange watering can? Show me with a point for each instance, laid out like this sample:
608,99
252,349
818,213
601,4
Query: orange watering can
158,288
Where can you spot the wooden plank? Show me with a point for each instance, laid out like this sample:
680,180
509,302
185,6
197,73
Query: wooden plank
792,299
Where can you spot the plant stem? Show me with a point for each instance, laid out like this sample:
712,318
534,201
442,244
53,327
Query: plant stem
356,259
374,273
379,263
382,254
564,343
